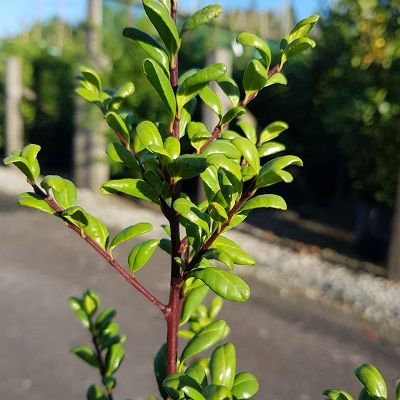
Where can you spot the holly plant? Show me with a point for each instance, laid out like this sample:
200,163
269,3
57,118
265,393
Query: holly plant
237,166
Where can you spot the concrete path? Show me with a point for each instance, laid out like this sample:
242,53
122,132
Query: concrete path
297,348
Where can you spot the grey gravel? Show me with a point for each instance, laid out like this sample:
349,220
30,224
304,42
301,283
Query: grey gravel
377,299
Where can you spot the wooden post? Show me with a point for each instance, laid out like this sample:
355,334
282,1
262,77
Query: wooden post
13,120
394,246
90,166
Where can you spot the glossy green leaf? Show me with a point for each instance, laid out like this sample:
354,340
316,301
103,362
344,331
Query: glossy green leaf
91,302
224,283
206,338
33,200
86,354
148,134
254,78
95,393
173,146
141,254
303,28
125,90
115,356
272,131
209,179
265,201
97,231
373,381
217,212
76,216
236,220
217,392
223,365
277,79
26,161
238,255
215,307
116,123
176,385
270,148
191,212
245,386
105,318
297,47
64,190
219,255
230,88
231,114
272,172
186,115
77,307
121,155
248,129
251,40
160,368
201,17
149,45
191,86
211,100
133,187
188,166
164,24
156,76
224,147
193,299
197,371
249,151
232,168
87,94
337,395
129,233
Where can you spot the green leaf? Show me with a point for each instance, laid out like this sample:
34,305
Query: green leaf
133,187
160,368
238,255
217,212
97,231
219,255
76,216
95,393
77,306
105,318
121,155
297,47
248,129
193,299
148,134
87,94
223,365
92,77
223,283
26,161
197,371
191,86
398,392
215,307
161,84
86,354
251,40
211,100
270,148
33,200
337,394
209,178
217,392
164,24
141,254
186,116
265,201
230,88
203,340
373,381
277,79
115,356
129,233
249,151
245,386
201,17
254,78
91,302
224,147
232,168
272,131
64,190
303,28
116,123
149,45
173,146
188,166
272,172
231,114
190,211
198,134
176,385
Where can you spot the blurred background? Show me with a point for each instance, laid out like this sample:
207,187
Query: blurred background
342,104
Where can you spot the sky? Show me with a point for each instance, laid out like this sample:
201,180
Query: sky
16,15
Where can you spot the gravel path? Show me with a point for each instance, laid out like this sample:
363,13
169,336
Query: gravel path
377,299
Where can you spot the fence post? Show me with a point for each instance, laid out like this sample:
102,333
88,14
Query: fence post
13,91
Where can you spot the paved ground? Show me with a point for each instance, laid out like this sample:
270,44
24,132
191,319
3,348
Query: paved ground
297,348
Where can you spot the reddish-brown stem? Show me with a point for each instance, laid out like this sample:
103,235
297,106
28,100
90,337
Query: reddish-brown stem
114,263
218,129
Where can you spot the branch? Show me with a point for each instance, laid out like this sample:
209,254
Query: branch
114,263
219,128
